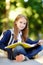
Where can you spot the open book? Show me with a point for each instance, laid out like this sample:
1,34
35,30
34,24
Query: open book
25,45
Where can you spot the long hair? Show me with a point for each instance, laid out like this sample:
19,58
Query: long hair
24,31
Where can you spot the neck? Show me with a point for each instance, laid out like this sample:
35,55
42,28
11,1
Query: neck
19,30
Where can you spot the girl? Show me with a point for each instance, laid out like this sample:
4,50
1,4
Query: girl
19,34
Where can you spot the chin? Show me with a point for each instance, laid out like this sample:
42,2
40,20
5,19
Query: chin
21,29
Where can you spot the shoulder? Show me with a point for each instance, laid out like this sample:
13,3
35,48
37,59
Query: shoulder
7,32
5,36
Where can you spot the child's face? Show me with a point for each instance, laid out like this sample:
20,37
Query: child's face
21,23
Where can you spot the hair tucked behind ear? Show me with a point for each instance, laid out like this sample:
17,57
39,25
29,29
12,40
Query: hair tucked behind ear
24,31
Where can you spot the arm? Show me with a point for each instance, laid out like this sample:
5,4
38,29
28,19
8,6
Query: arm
5,39
31,42
4,42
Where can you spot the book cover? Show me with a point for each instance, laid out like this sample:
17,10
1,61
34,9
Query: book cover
25,45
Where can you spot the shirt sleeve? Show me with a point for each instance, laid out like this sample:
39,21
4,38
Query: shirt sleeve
5,39
29,41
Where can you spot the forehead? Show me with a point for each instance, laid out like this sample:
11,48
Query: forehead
22,19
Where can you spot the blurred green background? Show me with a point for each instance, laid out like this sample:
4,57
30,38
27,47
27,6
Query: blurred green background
33,9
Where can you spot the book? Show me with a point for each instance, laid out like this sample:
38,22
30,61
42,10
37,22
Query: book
25,45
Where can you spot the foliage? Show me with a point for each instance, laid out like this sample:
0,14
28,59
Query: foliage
32,9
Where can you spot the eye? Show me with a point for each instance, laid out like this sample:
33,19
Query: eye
20,22
24,23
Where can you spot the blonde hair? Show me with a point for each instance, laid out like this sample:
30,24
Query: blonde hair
24,31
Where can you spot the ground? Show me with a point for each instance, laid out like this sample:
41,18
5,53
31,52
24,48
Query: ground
37,61
5,61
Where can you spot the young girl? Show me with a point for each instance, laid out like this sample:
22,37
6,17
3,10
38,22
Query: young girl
19,34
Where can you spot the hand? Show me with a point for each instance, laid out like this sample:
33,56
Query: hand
41,42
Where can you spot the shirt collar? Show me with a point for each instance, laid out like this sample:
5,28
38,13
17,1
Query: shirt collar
20,33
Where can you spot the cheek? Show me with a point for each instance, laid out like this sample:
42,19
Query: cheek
24,26
18,25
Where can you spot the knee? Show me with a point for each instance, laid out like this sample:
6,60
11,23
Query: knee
19,48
